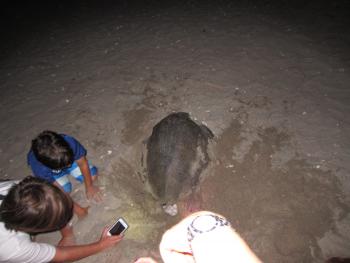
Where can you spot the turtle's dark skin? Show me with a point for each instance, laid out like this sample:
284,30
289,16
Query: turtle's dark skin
176,156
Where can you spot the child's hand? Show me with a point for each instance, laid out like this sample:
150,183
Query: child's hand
94,193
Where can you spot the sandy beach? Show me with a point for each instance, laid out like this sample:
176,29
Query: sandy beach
271,81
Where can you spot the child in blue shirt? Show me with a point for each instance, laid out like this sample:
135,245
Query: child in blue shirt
54,156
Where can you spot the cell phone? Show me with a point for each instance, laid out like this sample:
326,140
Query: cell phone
118,228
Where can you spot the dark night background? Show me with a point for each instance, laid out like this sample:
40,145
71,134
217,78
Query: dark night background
269,78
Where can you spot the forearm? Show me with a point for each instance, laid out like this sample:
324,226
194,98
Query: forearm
230,245
73,253
67,231
243,253
85,170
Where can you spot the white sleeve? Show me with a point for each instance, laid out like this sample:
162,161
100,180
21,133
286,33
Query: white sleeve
17,247
5,187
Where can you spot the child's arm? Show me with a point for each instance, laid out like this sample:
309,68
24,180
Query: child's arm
72,253
91,190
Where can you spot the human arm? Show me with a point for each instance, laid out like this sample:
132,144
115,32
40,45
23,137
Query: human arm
204,237
219,248
72,253
214,240
80,211
92,192
145,260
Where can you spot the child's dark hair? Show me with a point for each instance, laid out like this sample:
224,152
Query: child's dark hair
52,150
36,206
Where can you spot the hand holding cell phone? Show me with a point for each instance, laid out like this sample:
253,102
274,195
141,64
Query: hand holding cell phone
118,228
107,240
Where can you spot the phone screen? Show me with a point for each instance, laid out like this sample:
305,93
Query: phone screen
117,229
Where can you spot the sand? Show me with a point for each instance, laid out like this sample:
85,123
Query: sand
270,80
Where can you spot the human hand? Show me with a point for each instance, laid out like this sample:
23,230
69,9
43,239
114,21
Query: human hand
81,211
145,260
107,240
94,193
